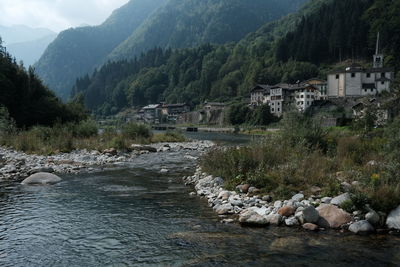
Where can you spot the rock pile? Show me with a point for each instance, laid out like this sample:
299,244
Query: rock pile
314,213
18,166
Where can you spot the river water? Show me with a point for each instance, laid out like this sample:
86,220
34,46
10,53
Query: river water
134,216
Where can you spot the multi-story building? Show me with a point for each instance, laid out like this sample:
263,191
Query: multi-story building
356,81
259,94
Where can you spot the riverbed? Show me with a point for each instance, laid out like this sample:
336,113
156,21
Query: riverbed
133,215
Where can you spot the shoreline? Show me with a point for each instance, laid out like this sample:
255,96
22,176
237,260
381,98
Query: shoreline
249,207
16,166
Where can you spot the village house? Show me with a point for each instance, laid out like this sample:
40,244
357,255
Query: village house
175,109
321,86
356,81
259,94
152,113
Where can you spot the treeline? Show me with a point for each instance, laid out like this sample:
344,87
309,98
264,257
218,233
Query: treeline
314,38
27,100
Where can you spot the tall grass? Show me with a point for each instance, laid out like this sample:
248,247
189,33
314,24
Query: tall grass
303,156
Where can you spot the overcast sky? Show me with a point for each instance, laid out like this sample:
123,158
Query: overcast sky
56,15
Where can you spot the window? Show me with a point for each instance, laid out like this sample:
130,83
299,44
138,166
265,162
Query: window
365,90
302,96
337,76
298,103
273,103
308,103
279,103
382,82
273,110
308,96
368,75
353,75
279,109
383,75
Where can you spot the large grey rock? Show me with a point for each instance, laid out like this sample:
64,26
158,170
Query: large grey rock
251,217
41,178
339,200
274,219
298,197
372,217
310,215
292,221
361,227
332,216
393,220
326,200
223,209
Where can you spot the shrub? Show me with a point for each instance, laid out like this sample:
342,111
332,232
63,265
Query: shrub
85,129
136,131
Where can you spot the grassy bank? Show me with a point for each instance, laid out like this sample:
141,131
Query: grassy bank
83,135
305,157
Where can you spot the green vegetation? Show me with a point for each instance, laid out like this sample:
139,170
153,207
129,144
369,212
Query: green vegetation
303,156
83,135
239,114
142,25
297,47
27,101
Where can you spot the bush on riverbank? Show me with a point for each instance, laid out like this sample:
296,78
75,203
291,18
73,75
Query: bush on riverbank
305,157
82,135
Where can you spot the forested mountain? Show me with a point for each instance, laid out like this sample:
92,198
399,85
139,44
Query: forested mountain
78,51
142,25
27,100
29,52
189,23
224,72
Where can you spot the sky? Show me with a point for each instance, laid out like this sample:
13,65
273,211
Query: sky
56,15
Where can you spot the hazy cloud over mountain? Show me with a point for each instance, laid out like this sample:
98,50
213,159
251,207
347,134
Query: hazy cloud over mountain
56,14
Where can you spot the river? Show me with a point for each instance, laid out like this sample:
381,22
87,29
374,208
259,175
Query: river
134,216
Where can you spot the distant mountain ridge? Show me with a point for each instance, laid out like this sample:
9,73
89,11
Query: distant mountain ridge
142,25
21,34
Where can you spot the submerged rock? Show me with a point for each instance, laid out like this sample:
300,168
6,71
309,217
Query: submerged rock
41,178
310,226
332,216
361,227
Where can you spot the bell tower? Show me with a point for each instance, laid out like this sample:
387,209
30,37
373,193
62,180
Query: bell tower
378,57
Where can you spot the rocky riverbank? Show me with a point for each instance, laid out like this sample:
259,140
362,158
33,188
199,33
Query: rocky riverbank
17,166
248,206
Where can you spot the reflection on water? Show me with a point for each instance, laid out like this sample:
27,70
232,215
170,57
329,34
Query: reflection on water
137,216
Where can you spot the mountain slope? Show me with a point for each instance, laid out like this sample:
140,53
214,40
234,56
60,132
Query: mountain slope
21,34
27,100
192,22
78,51
29,52
227,72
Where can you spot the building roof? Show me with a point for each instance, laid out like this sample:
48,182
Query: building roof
152,106
261,88
351,69
178,105
315,79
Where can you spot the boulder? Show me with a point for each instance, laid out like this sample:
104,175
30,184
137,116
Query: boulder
291,221
393,220
274,219
41,178
326,200
310,215
310,226
164,171
339,200
224,195
278,204
286,211
267,198
251,217
223,209
219,181
298,197
332,216
361,227
372,217
110,151
244,188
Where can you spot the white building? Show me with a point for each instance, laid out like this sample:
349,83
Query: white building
356,81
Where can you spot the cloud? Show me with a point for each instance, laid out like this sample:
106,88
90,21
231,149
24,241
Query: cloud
56,14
